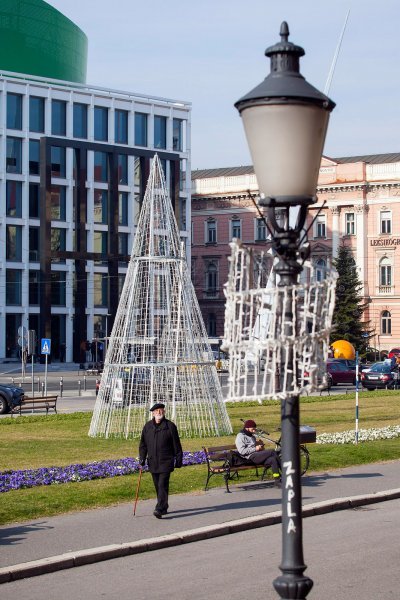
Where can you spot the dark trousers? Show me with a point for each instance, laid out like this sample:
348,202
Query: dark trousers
268,458
161,483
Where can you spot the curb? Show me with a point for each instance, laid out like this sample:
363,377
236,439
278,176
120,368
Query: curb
79,558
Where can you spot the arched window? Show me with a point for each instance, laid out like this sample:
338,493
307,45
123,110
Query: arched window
386,323
385,272
320,269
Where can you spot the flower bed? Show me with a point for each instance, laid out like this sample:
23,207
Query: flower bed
15,480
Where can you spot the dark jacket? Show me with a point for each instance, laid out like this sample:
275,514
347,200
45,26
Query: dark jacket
161,445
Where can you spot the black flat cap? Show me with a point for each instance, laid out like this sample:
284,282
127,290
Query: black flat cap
157,405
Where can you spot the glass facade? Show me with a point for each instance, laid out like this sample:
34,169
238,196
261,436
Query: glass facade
14,243
58,161
36,114
34,200
100,206
122,169
34,278
58,288
100,167
123,208
177,138
13,287
34,244
58,202
100,289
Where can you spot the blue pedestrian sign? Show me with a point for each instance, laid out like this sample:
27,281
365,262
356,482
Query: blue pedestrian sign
45,346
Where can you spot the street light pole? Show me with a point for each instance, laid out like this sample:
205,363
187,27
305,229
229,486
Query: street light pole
285,120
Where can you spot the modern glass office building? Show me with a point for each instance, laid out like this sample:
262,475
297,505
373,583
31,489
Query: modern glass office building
74,161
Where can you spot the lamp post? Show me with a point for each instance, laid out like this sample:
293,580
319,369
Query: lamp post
285,121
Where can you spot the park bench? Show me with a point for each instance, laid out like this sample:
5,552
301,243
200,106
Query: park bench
219,463
28,403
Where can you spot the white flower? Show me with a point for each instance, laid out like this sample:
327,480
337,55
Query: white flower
364,435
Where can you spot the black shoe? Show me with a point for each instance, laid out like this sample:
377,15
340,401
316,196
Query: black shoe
163,512
157,514
277,483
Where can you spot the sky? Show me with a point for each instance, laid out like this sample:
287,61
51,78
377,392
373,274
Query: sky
211,52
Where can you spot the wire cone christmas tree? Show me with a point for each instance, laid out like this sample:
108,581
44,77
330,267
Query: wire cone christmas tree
158,349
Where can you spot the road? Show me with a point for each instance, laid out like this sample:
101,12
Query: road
350,554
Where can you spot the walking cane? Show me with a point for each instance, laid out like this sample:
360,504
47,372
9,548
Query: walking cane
137,490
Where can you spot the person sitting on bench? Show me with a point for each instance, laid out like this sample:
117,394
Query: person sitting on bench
249,448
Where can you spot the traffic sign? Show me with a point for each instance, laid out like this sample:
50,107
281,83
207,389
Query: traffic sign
45,346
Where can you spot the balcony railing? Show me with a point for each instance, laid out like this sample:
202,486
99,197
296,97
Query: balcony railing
386,290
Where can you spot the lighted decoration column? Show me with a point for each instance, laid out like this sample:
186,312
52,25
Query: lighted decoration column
285,120
361,257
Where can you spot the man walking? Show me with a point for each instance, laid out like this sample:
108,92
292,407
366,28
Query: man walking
161,445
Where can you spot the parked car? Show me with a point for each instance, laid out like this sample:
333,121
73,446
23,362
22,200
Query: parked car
380,375
10,396
339,373
350,364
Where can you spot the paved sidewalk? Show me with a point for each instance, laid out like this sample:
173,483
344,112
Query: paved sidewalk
99,534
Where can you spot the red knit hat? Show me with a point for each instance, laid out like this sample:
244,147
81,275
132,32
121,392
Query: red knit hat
249,424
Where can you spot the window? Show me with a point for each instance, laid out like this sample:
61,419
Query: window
100,206
211,232
212,325
177,134
100,242
101,123
123,208
123,168
34,233
13,287
14,243
320,227
100,166
34,200
386,221
34,157
140,129
58,281
14,111
14,155
385,273
36,114
386,323
211,277
58,243
350,224
123,248
320,269
160,132
58,117
121,126
100,289
236,228
261,232
34,288
58,161
80,121
58,202
14,199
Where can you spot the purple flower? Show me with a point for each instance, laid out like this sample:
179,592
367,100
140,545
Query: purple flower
15,480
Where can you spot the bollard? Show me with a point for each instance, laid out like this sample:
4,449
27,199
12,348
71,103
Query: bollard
42,388
38,384
61,386
79,387
84,383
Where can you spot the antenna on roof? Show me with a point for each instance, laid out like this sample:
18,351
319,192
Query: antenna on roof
333,65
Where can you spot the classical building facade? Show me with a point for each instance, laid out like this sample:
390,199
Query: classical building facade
358,205
74,161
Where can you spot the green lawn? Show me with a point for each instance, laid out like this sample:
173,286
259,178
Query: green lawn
40,441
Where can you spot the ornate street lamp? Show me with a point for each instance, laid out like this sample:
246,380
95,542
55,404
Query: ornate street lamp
285,120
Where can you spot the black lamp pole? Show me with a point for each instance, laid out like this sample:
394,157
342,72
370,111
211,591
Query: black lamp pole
285,120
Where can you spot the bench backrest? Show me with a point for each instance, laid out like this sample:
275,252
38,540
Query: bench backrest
39,399
218,452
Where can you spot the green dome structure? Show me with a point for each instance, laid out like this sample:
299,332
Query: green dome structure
37,39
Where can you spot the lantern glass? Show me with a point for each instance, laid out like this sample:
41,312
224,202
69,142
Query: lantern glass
286,141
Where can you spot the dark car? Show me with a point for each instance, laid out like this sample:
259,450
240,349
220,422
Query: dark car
379,376
339,373
10,396
350,364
